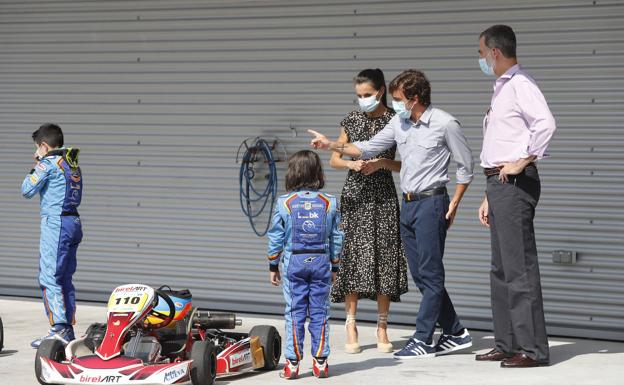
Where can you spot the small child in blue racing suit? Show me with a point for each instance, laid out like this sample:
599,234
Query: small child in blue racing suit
305,240
58,180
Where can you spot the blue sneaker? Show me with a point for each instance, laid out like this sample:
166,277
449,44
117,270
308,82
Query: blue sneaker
415,349
448,343
62,333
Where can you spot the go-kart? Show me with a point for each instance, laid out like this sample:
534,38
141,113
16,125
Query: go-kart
157,337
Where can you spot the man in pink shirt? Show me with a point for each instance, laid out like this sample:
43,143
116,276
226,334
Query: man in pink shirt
517,129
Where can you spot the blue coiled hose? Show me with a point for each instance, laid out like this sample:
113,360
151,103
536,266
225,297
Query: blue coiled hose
260,151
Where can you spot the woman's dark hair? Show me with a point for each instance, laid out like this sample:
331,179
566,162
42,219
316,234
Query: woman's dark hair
413,83
304,171
49,133
375,77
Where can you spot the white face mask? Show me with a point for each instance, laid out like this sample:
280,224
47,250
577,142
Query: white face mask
368,104
401,109
486,68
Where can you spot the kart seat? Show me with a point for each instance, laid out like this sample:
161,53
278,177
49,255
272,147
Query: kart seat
94,335
173,340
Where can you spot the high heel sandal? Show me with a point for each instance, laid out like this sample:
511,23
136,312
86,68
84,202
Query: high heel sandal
383,347
353,348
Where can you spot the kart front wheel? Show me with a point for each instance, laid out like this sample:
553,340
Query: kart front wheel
52,349
204,366
271,342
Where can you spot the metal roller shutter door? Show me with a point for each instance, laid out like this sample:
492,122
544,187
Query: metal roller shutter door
159,94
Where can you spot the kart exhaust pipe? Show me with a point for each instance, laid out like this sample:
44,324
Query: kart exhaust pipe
211,320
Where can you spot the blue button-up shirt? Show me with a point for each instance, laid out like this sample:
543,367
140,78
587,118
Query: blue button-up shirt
425,147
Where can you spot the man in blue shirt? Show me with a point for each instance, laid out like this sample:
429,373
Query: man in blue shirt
426,138
58,180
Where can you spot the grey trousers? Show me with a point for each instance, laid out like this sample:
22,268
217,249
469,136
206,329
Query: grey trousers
517,307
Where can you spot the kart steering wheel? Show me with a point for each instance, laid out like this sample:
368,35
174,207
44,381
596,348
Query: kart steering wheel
164,318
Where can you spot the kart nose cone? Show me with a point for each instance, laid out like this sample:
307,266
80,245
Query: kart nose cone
95,362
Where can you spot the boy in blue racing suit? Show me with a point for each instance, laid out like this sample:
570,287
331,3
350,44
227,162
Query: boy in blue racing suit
305,239
58,180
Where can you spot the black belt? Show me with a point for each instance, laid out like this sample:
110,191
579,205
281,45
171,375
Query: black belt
491,171
313,251
416,196
69,214
496,170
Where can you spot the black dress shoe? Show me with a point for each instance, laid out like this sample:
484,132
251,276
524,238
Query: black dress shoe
493,355
521,360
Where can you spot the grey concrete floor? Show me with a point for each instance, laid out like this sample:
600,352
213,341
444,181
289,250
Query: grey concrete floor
573,361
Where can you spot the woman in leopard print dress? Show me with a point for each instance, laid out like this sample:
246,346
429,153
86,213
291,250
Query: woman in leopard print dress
372,262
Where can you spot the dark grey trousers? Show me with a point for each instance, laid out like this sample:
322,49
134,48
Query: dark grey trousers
517,307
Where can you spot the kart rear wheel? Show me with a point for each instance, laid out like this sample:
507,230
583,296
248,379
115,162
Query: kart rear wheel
271,342
204,366
52,349
1,335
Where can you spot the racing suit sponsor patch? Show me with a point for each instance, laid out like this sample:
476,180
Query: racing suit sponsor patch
308,226
75,176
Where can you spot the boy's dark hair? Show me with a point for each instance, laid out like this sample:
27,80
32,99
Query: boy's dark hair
374,77
413,83
49,133
501,37
304,171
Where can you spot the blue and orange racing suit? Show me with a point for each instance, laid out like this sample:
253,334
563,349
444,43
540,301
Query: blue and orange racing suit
305,238
58,180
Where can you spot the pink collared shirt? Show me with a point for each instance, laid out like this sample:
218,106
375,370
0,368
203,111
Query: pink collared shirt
518,123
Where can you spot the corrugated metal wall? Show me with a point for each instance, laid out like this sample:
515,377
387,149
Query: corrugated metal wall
158,95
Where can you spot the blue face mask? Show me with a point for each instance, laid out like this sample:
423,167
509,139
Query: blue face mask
485,67
368,104
401,110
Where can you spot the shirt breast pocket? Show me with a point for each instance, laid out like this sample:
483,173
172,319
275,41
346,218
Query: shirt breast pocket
427,148
401,141
428,143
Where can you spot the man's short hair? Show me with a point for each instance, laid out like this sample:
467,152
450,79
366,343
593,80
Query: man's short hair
49,133
413,83
501,37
